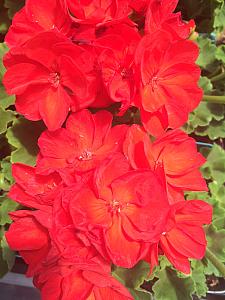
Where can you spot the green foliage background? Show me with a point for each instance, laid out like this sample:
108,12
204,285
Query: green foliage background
18,143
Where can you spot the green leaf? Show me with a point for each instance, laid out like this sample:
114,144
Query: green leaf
171,287
6,206
207,53
220,53
6,169
3,265
207,120
140,294
205,84
215,130
23,136
132,278
214,168
216,241
5,118
219,21
3,50
7,254
199,278
6,179
5,99
218,192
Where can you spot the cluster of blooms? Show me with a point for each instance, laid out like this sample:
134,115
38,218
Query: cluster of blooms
102,194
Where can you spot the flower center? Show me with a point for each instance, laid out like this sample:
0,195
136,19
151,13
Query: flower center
126,73
115,206
154,83
54,79
86,155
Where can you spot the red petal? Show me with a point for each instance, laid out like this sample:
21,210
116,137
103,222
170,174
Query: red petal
94,210
194,212
185,245
179,261
55,107
74,286
107,172
72,77
123,251
81,126
16,81
26,234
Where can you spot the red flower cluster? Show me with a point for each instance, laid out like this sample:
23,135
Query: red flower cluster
77,54
102,194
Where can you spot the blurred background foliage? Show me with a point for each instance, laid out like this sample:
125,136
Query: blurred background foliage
18,143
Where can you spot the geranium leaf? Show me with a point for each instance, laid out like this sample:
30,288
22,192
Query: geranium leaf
5,118
5,99
170,287
23,136
207,120
220,53
6,179
7,254
216,241
214,168
199,278
3,50
140,294
205,84
207,53
219,20
132,278
6,206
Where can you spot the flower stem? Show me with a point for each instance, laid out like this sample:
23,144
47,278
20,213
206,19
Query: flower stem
218,77
215,261
214,99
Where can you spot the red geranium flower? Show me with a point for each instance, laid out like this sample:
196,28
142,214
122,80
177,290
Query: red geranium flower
169,81
46,76
160,16
86,141
66,281
184,236
29,235
36,17
34,190
116,62
98,12
128,208
175,151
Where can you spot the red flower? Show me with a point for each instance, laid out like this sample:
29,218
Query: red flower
29,235
70,243
36,17
184,236
169,81
160,16
82,146
33,190
97,12
139,6
128,208
67,281
116,61
175,151
46,76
